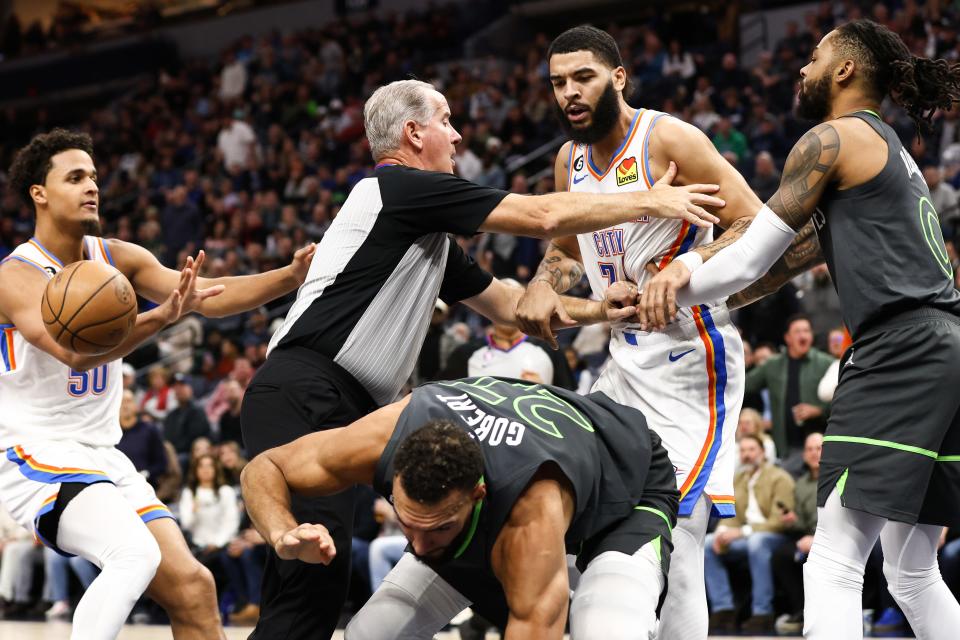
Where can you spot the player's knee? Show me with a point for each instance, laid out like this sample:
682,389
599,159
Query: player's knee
190,589
364,626
906,584
139,554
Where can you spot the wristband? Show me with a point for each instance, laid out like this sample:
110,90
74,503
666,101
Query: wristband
692,260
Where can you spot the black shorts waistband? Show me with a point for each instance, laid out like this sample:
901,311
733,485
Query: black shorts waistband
910,316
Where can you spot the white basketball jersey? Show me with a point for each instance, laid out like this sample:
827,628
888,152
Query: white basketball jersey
521,357
40,397
622,252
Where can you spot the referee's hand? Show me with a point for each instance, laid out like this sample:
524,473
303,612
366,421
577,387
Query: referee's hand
686,202
307,542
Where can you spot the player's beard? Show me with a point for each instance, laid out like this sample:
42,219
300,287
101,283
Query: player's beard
813,101
91,227
449,552
603,118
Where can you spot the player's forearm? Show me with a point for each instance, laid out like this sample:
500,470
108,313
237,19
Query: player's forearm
267,498
242,293
802,255
737,228
558,269
568,213
148,324
582,311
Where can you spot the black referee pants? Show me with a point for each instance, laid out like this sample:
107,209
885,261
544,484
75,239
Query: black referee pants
297,392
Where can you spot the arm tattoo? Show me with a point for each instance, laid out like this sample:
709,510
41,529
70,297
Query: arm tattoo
806,174
559,269
803,254
731,235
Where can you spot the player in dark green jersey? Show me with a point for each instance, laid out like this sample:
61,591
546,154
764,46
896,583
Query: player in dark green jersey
891,454
493,481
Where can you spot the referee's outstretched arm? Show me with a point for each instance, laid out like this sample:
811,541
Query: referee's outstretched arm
567,213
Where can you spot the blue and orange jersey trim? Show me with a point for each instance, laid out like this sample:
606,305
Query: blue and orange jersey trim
618,154
716,359
42,249
8,359
683,242
723,506
49,474
105,252
45,507
153,512
33,263
573,151
647,174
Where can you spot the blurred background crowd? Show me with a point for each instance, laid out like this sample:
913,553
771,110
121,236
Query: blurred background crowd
249,153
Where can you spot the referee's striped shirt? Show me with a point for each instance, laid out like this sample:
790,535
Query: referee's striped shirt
368,297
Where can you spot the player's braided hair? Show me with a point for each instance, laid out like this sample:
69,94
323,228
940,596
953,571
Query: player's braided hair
436,459
919,85
34,161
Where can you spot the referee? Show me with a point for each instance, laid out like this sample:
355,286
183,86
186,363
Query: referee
352,337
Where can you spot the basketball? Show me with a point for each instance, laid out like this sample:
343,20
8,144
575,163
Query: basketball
89,307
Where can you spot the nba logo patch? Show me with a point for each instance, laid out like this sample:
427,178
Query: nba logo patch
627,172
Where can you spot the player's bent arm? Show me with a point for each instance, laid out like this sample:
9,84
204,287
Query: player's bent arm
803,254
154,282
318,464
529,558
698,161
20,299
562,265
811,166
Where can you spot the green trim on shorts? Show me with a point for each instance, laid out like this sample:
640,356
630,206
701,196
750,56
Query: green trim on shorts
657,512
842,482
656,548
882,443
948,458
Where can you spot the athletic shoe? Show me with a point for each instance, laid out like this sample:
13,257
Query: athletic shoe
723,622
789,624
890,620
59,611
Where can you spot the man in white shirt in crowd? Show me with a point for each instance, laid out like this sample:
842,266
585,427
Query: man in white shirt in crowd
237,142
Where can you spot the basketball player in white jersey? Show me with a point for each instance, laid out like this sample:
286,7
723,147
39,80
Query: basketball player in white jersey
687,380
60,473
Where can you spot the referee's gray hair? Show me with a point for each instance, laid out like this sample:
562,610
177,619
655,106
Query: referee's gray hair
392,105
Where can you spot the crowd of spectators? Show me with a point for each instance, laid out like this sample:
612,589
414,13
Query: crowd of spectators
251,156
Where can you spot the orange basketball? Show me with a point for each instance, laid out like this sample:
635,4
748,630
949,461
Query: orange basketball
89,307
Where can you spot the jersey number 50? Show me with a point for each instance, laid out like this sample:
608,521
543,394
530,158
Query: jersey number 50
80,383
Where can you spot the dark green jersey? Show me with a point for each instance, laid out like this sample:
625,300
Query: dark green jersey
603,448
882,241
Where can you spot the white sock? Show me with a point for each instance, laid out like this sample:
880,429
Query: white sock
914,580
684,613
833,574
101,526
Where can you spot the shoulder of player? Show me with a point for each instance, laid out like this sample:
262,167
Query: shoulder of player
674,139
547,497
667,130
24,284
127,256
20,273
563,155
